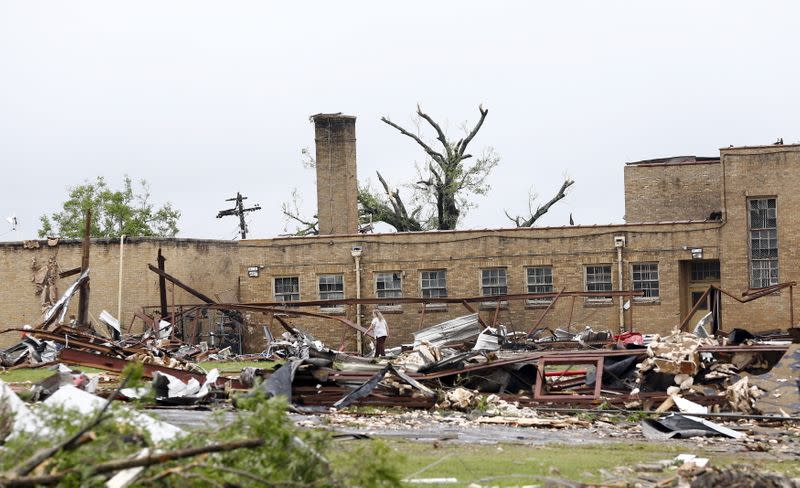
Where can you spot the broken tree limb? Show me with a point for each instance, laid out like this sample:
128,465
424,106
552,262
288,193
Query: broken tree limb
41,456
120,464
542,209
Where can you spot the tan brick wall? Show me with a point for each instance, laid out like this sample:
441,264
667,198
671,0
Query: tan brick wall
212,267
672,192
759,172
464,253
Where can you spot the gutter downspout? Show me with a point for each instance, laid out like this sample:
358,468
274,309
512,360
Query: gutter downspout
356,253
119,287
619,243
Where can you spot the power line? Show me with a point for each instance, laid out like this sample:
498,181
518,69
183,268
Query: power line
239,211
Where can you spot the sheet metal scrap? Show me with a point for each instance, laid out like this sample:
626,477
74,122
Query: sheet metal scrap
367,388
452,331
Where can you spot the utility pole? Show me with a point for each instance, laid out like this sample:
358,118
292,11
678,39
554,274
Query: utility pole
239,211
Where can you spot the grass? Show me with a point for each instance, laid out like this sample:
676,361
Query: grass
515,464
35,375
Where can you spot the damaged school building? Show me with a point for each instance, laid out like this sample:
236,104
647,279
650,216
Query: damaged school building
682,314
730,221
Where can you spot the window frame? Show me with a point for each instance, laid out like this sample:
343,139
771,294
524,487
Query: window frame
279,296
646,298
598,299
772,262
491,304
423,289
481,280
335,308
389,307
539,301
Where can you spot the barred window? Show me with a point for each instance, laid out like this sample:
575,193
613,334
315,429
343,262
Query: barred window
434,283
331,287
388,285
287,289
645,278
763,224
494,282
598,279
705,271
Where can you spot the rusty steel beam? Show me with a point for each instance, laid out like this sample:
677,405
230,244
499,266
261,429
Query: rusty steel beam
472,299
69,272
180,284
83,358
549,306
162,284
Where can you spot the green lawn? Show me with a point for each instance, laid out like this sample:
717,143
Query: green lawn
515,464
227,368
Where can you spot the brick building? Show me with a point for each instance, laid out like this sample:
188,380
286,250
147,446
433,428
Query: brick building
731,220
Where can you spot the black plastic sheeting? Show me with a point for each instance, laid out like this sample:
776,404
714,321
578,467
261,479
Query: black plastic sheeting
618,372
680,427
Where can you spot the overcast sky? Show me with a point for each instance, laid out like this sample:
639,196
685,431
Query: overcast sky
204,99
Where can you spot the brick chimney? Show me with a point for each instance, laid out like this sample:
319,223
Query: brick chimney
337,186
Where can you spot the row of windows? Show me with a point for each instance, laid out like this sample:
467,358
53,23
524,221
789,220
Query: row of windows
493,281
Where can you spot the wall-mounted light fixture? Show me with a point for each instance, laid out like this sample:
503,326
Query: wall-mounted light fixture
697,253
252,271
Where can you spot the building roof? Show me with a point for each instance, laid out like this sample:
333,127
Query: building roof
674,160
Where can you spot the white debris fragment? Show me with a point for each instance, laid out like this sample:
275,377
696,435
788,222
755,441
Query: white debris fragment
70,398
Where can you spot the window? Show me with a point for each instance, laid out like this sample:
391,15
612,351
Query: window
287,289
331,287
539,280
434,283
598,279
705,270
494,282
388,285
763,224
645,278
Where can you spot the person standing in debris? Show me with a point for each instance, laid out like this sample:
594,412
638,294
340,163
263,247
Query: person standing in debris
381,330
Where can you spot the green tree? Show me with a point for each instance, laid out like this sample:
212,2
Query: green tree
449,176
114,212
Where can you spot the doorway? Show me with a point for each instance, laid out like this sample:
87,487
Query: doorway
696,276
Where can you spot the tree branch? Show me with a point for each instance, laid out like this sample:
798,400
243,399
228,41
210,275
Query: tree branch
471,135
439,132
120,464
541,210
435,155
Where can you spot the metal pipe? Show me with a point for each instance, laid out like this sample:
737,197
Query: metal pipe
621,299
119,287
359,338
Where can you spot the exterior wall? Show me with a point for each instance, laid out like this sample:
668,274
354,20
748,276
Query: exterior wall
463,254
209,266
759,172
337,185
665,192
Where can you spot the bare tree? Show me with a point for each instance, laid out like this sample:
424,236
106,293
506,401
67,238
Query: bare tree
447,179
533,216
291,213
